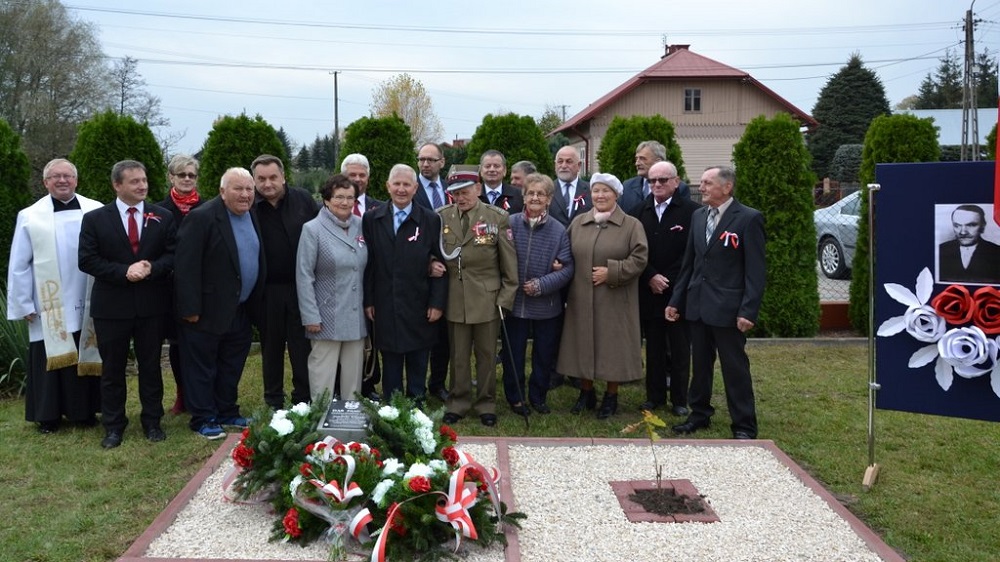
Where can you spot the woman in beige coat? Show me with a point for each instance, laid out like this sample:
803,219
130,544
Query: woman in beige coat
601,338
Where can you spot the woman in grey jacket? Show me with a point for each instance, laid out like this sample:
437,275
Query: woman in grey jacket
330,272
544,267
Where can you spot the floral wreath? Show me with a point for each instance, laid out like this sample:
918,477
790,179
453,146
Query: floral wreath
969,348
400,495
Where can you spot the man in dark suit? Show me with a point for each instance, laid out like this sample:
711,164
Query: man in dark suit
128,246
358,170
666,218
432,195
637,188
719,292
969,258
572,194
493,170
402,301
431,186
282,211
221,257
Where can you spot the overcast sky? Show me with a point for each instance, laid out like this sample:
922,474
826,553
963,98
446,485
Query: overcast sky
210,58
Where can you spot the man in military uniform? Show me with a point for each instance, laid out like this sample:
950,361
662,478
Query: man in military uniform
482,275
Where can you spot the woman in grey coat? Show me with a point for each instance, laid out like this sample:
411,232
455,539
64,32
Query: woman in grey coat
330,279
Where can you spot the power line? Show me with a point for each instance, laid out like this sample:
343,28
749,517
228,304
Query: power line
794,31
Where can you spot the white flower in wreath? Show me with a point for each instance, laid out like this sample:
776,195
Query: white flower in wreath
301,408
282,425
389,413
969,353
418,469
391,466
378,494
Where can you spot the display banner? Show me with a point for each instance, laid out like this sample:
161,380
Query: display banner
936,281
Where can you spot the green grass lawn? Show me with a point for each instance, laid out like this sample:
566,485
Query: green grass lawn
937,498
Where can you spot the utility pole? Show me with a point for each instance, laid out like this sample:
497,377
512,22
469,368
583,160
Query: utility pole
336,120
970,111
563,109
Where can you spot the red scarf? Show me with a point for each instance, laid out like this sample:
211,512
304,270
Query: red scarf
184,202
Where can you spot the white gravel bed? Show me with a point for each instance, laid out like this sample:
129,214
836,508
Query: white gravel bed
766,513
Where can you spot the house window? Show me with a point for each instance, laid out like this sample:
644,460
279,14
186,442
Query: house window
692,100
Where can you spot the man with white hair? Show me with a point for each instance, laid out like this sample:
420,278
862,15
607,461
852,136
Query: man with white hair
358,170
220,255
46,288
637,189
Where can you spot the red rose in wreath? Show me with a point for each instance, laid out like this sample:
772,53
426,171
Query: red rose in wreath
954,304
987,315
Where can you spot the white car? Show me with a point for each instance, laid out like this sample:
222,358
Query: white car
837,235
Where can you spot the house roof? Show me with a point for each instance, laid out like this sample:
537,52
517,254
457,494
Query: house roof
680,63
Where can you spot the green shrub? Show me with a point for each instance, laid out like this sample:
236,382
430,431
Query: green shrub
517,137
774,177
385,141
890,138
846,163
617,152
108,138
15,189
235,142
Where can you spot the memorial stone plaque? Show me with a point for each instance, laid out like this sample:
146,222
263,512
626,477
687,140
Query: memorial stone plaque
345,420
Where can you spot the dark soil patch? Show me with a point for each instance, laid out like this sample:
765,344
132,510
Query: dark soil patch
667,502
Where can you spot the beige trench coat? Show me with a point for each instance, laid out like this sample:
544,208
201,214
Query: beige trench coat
601,338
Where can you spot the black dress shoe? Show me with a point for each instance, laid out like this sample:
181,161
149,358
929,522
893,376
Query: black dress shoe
742,435
520,409
48,427
650,405
690,426
439,393
541,407
450,418
680,410
489,420
155,434
586,401
609,406
112,440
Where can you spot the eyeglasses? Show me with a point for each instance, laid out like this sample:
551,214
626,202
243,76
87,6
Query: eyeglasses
61,177
661,180
187,175
428,160
343,198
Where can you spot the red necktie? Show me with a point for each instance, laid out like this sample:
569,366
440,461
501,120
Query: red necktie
357,208
133,230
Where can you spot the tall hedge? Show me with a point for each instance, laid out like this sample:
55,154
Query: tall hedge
518,137
890,138
385,141
773,176
617,152
235,142
15,189
107,138
991,144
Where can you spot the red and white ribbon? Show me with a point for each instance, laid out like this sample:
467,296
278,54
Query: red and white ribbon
728,237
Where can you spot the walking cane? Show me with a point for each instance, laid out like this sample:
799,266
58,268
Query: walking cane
510,356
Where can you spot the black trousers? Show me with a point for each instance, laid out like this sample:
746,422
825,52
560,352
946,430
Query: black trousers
50,395
113,339
731,346
440,355
282,325
668,356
